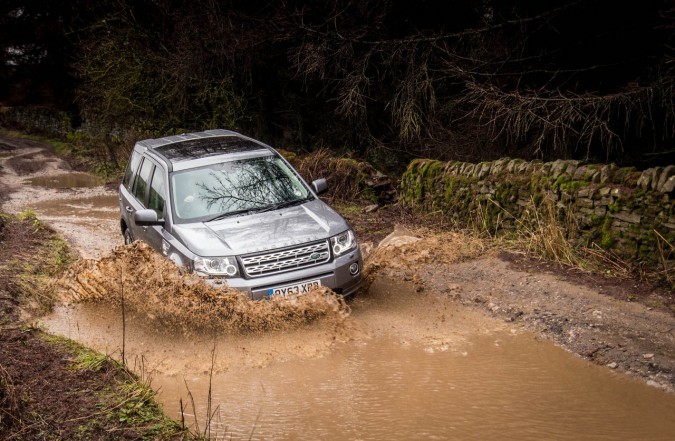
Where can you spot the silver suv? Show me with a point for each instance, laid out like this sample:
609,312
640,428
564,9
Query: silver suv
234,211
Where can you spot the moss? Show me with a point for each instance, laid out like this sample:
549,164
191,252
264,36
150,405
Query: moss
450,189
607,241
558,182
572,186
622,173
537,198
288,155
596,220
431,172
504,193
413,192
614,207
564,183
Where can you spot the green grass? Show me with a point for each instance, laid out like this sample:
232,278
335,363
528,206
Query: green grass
127,400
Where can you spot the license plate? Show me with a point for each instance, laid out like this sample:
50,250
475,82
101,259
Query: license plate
293,290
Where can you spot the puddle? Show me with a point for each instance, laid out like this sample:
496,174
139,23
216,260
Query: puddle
66,180
89,222
93,207
500,387
407,365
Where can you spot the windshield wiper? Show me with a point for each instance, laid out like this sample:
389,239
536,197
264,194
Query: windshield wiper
229,213
271,207
281,205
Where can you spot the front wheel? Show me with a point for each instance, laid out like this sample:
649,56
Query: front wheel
128,238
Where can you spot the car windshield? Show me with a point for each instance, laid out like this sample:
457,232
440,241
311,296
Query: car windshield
227,188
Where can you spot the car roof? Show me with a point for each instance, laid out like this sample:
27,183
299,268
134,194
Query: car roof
202,148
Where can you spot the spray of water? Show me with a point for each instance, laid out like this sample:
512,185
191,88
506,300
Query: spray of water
152,285
404,250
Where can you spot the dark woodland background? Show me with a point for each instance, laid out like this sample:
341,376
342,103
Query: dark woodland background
383,80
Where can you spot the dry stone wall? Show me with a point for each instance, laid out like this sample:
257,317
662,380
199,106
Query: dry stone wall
621,209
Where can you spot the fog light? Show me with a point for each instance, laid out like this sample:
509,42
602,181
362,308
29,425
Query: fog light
354,269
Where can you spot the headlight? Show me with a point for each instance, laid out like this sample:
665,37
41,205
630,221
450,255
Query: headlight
216,266
343,242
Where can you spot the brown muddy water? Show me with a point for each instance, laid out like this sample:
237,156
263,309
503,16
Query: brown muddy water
85,208
404,365
66,180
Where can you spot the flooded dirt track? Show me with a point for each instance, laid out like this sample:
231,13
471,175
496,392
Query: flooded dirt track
75,204
448,342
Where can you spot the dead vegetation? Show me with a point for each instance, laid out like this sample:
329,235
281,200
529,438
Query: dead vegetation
349,179
10,404
545,230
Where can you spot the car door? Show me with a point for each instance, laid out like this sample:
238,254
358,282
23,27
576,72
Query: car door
127,203
138,198
157,202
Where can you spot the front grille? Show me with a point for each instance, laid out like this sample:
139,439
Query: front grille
258,265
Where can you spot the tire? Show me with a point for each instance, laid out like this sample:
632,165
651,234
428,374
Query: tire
128,238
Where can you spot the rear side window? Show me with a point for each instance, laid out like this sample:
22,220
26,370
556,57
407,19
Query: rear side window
132,166
141,181
157,186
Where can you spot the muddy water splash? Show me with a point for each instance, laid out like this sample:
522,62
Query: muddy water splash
152,285
404,249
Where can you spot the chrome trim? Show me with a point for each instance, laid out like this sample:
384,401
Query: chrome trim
258,265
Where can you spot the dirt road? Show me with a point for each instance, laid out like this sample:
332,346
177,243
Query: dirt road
626,336
81,209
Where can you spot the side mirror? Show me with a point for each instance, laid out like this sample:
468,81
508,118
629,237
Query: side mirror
147,217
320,186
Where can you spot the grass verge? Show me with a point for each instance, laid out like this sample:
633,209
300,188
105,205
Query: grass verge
50,387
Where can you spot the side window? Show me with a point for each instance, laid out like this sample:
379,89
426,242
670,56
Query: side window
156,201
132,167
141,182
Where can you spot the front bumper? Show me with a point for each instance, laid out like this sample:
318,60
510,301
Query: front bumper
334,275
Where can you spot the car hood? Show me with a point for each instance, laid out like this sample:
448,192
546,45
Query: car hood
311,221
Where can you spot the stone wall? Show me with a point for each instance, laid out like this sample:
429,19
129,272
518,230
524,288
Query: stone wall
630,212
